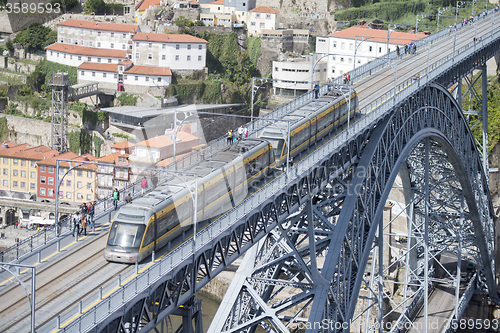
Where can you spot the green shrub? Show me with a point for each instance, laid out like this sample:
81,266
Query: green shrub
127,99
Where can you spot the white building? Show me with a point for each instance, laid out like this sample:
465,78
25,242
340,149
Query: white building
225,12
95,34
355,46
73,55
293,76
179,52
261,18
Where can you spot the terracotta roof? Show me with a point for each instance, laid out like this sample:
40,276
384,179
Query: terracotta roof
143,5
264,9
376,35
110,158
193,3
99,25
149,70
123,144
88,51
36,153
13,149
70,156
125,62
218,2
97,66
156,142
182,135
167,38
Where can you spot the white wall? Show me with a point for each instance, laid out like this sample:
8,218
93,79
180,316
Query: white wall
173,55
77,60
256,22
93,38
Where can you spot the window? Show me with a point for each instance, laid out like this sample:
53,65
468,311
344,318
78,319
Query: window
147,78
79,58
15,161
68,195
112,34
69,40
123,46
163,57
23,184
137,44
188,58
98,33
350,46
115,76
163,46
91,32
5,183
90,44
23,162
124,36
68,182
150,45
137,55
23,174
82,73
200,47
32,174
89,186
89,197
150,56
32,186
89,174
370,48
109,60
177,46
112,45
199,58
79,184
159,79
98,59
64,55
257,15
177,57
81,42
81,31
103,74
89,59
42,191
79,173
136,78
335,44
6,172
98,44
252,24
5,160
125,76
51,180
93,73
380,49
15,173
79,196
51,192
189,46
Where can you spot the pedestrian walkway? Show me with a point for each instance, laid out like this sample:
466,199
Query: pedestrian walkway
8,235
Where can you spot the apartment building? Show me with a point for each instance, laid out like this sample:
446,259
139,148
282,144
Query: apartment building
262,18
74,55
355,46
19,169
293,77
112,173
176,51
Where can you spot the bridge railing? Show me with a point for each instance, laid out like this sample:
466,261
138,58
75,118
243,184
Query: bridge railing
372,113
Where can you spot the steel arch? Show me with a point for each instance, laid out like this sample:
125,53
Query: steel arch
430,113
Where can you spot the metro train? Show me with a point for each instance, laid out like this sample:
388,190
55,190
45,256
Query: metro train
221,181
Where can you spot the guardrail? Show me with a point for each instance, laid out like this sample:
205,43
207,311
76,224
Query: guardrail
168,263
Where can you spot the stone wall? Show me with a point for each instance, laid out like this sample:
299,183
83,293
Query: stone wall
35,132
12,23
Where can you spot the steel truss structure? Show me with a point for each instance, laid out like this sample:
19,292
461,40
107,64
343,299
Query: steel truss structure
59,116
309,276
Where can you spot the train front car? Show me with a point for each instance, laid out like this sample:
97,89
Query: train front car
126,234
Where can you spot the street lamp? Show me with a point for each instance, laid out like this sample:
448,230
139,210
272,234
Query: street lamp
441,10
459,5
31,300
422,16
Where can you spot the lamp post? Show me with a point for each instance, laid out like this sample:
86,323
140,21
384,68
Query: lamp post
422,16
459,5
31,300
255,89
176,127
441,10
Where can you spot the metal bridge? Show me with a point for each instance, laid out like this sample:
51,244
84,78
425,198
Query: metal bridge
324,255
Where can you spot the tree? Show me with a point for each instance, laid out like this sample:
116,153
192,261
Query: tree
95,6
65,4
35,37
9,45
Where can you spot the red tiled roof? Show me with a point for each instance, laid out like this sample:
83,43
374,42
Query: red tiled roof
70,156
143,5
87,51
13,149
36,153
167,38
110,158
156,142
149,70
218,2
99,25
264,9
97,66
123,144
376,35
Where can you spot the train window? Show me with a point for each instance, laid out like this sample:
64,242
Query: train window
125,234
130,217
150,233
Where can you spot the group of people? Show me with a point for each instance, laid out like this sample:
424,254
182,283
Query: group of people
82,218
409,48
233,136
346,77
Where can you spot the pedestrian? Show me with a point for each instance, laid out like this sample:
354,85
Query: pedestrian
76,224
245,131
240,132
397,50
90,214
83,222
406,49
16,226
144,185
414,48
229,137
128,198
316,91
348,77
116,197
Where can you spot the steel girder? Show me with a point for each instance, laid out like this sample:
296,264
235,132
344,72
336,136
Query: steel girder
346,219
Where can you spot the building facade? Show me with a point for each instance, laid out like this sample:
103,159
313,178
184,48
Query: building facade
261,18
293,77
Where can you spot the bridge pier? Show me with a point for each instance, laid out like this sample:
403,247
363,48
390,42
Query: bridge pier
191,310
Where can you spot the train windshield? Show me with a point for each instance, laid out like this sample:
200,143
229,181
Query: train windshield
278,147
126,234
